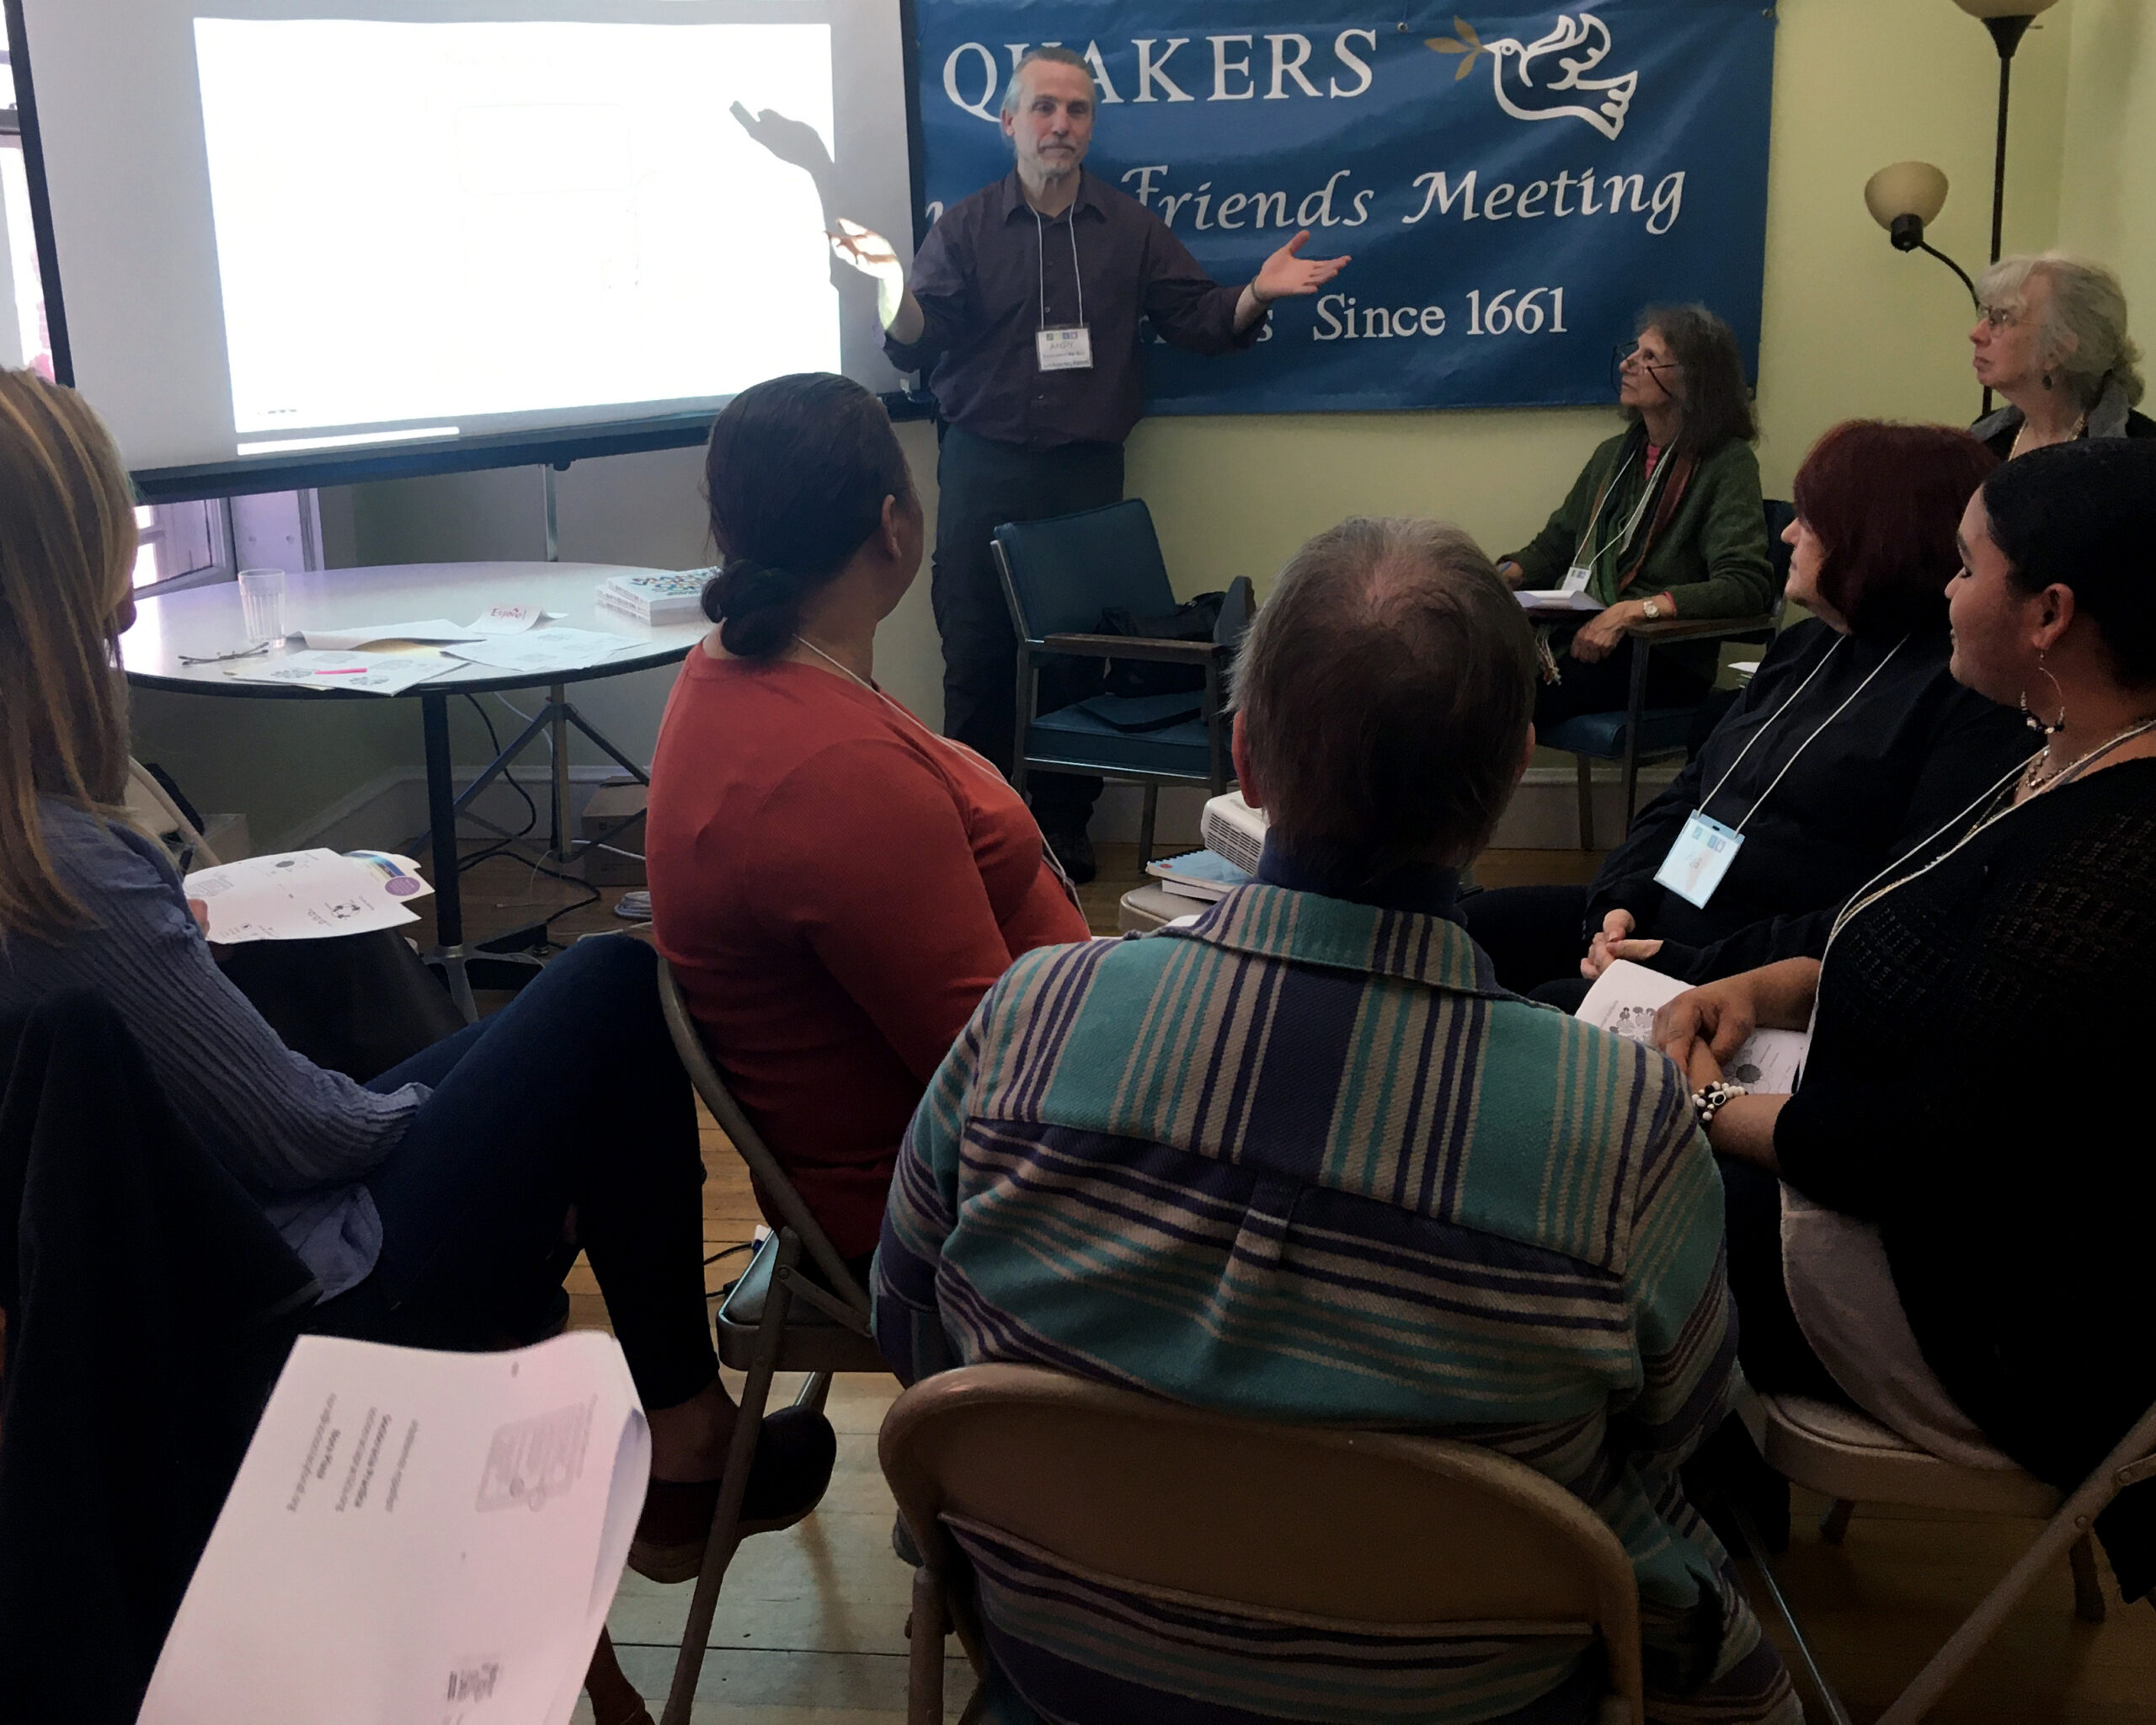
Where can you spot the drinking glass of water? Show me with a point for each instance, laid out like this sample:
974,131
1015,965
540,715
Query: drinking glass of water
262,605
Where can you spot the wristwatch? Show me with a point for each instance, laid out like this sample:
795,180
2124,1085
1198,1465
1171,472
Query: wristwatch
1650,609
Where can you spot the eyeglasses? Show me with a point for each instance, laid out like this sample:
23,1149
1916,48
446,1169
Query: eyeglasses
1627,353
2000,317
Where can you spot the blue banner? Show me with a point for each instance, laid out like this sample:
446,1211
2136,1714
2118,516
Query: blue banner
1512,183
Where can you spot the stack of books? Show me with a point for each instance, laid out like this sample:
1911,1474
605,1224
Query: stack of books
1201,875
660,598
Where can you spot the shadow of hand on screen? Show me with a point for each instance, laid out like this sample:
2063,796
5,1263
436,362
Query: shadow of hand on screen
796,143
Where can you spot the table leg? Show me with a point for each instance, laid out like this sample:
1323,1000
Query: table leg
441,828
563,852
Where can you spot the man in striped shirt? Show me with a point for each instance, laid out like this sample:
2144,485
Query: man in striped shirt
1303,1160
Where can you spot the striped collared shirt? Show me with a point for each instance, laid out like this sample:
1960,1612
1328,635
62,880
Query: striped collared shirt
1303,1160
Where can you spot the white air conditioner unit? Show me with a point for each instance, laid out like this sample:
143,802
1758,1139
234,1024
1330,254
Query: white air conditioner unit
1231,829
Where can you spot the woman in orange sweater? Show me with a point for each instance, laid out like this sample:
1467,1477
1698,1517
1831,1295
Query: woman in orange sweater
835,884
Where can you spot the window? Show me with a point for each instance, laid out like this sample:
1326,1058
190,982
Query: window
190,543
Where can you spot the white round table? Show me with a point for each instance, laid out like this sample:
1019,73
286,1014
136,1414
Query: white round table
201,622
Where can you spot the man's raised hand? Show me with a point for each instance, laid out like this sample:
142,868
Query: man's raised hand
874,256
1285,273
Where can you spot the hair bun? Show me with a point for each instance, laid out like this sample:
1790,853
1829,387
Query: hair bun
756,606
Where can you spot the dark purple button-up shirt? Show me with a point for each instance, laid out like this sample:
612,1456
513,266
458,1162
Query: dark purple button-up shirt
986,277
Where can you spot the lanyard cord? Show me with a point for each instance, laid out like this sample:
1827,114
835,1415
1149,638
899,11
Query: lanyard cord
1865,897
1623,535
1040,256
1761,799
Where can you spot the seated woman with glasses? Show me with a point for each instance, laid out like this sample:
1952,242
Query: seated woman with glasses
1664,520
1938,1226
2052,339
1849,744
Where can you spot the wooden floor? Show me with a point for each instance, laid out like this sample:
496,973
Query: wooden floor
810,1627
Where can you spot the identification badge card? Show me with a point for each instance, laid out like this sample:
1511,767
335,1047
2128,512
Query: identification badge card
1700,858
1576,579
1069,348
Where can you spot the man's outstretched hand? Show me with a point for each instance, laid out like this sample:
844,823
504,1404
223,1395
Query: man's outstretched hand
874,257
1285,273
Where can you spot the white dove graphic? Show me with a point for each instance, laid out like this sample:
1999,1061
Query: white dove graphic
1606,116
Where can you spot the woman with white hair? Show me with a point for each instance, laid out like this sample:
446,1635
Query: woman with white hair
2052,338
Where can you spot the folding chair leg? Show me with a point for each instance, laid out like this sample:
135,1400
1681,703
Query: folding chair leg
1145,825
814,1392
740,1456
1836,1713
1584,769
2088,1581
1835,1523
924,1652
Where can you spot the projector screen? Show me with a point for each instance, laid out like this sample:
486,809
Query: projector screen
289,237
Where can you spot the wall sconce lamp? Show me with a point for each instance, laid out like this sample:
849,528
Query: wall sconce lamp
1904,198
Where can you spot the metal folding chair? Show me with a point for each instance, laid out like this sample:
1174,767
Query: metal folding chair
777,1317
1252,1518
1853,1459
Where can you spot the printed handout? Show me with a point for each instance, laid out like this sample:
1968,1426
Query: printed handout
369,673
426,1537
308,895
1626,997
496,620
544,649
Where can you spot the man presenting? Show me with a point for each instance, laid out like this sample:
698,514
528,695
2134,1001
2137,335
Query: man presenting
1024,311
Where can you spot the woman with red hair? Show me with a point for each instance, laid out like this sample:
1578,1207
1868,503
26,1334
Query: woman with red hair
1851,742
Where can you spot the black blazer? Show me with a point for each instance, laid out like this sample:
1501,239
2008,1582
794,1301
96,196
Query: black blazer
1903,758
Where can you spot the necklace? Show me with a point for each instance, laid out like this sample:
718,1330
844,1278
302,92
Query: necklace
2022,446
1871,892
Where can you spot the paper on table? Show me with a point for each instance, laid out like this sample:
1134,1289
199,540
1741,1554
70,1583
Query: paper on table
544,649
1625,997
427,1538
495,619
369,673
306,895
1557,598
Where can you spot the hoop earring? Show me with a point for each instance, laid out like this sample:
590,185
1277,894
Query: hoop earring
2030,719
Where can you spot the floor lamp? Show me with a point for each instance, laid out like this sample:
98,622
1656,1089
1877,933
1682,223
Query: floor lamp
2008,21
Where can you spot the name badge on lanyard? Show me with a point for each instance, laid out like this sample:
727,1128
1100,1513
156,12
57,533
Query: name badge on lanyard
1575,579
1700,858
1067,349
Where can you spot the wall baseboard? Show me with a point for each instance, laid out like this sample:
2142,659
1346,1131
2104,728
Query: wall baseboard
392,809
1544,814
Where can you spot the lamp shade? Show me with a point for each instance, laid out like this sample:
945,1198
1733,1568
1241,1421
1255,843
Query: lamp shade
2005,8
1905,188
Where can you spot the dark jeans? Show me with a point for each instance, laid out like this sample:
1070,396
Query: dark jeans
981,484
1606,686
570,1096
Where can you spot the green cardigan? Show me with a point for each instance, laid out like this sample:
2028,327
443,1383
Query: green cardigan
1708,552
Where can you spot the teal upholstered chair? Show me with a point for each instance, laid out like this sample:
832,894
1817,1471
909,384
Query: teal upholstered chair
1643,733
1059,576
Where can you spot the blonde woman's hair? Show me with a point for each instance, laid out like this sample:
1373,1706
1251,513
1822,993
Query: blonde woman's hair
2087,304
66,557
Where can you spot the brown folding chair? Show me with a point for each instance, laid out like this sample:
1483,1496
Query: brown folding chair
1853,1459
1243,1516
776,1317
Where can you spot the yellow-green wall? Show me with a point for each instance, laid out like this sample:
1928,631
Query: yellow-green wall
1850,328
